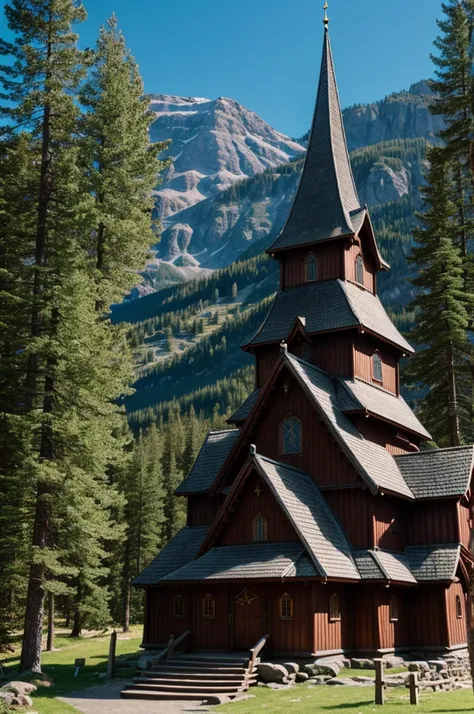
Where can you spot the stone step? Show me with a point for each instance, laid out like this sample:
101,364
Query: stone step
189,667
131,693
173,673
206,662
179,688
206,682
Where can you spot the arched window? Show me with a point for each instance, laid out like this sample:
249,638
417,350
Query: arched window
311,268
334,609
286,607
306,352
377,371
209,607
260,527
359,270
394,609
458,607
291,435
178,606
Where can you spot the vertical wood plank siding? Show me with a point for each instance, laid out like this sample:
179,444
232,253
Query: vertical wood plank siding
239,529
211,633
333,353
265,360
366,632
160,621
321,456
353,507
464,521
329,636
364,348
294,635
392,438
389,524
392,634
330,264
202,510
351,254
456,626
427,616
432,522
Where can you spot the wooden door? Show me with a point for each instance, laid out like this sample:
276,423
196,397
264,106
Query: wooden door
248,618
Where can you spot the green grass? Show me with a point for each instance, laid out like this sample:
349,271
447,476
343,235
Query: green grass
60,666
359,700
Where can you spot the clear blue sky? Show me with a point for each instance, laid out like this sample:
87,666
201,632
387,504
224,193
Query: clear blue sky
266,53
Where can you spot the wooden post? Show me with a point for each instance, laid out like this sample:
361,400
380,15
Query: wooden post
414,690
111,661
379,683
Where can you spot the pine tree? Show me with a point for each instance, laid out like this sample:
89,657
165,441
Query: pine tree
121,164
172,455
192,440
442,309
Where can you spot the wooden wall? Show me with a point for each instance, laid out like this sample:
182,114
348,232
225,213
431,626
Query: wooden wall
354,508
330,636
333,353
464,521
202,510
456,626
350,256
393,635
427,616
265,357
389,524
321,456
294,635
432,522
239,529
364,347
160,621
330,264
392,438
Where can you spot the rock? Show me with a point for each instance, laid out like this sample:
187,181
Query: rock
392,661
275,685
23,700
342,682
7,697
242,697
310,669
145,662
292,667
418,667
438,664
358,663
269,673
19,687
363,680
318,680
302,676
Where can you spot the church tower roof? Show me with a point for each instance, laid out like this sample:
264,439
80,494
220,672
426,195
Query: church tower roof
326,205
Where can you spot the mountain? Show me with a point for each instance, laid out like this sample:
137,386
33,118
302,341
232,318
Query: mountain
233,177
187,336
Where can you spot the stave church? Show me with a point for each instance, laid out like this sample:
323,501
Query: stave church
319,518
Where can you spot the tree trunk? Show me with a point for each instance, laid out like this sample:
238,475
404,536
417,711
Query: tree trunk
50,640
453,413
76,625
126,613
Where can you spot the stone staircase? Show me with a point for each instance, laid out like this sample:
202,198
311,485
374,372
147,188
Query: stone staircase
211,678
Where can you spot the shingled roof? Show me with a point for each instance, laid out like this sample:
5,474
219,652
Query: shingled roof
311,517
376,466
356,395
244,410
326,306
439,473
209,461
327,192
181,549
253,561
434,562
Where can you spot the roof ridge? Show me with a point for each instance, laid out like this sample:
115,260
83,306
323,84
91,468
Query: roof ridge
441,450
374,386
280,463
220,431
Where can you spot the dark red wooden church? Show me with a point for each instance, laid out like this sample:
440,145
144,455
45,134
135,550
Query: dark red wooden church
318,519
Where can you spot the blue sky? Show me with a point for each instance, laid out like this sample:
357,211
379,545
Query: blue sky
266,53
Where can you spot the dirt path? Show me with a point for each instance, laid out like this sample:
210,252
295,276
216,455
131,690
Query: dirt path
105,699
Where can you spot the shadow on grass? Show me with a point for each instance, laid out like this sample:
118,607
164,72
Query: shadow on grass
348,705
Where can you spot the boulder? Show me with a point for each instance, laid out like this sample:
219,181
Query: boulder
272,673
418,667
329,667
23,700
7,697
363,680
19,687
292,667
392,661
302,676
145,662
438,664
342,682
310,669
358,663
318,680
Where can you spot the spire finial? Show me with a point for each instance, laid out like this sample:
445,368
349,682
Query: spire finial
326,18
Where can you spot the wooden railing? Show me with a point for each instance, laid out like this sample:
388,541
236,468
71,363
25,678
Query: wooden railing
172,647
255,651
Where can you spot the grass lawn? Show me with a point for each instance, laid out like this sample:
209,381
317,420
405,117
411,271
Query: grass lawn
359,700
60,666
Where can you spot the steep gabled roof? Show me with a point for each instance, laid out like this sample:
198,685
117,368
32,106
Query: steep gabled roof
439,473
311,517
383,566
356,395
181,549
327,193
245,409
208,462
376,466
252,561
434,562
327,306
